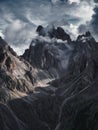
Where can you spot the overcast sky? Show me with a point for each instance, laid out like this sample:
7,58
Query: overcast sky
19,18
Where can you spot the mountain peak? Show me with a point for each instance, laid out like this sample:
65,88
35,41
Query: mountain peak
85,37
53,32
2,42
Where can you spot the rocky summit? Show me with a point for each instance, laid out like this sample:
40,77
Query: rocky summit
52,86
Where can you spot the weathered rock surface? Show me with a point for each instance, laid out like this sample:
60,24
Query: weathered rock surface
53,86
17,76
51,55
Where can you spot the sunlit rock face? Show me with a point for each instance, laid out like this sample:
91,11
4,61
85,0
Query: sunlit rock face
14,73
52,86
17,76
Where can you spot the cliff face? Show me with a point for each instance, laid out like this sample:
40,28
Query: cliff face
17,76
51,57
52,86
50,53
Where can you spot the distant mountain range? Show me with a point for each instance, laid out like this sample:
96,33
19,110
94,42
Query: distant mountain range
52,86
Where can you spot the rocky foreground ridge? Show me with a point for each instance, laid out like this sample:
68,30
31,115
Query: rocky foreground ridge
52,86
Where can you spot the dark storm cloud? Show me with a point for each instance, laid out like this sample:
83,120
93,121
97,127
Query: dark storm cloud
92,25
94,22
82,28
96,1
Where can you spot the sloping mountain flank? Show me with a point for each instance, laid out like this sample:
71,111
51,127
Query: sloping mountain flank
52,86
